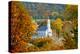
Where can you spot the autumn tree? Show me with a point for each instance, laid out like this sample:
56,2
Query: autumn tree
57,24
22,27
71,14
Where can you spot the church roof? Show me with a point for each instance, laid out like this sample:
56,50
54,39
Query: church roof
43,28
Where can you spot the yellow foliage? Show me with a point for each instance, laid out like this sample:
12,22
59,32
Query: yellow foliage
34,26
57,24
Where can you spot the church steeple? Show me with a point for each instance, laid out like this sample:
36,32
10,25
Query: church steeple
48,23
49,28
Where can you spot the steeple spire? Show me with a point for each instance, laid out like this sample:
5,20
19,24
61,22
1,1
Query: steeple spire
48,22
49,28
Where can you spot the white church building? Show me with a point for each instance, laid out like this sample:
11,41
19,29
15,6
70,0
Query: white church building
45,31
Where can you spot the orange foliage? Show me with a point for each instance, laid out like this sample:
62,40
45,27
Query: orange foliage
58,23
21,27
